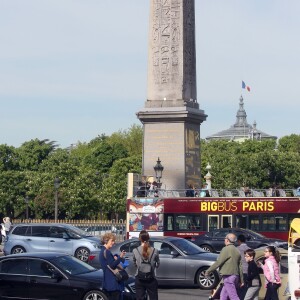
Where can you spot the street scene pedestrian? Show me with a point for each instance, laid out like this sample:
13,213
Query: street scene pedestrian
7,224
230,267
110,284
252,282
242,247
146,259
271,272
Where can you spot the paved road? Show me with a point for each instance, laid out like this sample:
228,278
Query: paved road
179,293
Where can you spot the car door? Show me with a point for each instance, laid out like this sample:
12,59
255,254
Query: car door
60,241
172,267
13,275
37,238
42,286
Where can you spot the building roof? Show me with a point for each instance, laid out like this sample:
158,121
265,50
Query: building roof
241,130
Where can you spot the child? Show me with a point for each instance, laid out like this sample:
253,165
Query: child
253,278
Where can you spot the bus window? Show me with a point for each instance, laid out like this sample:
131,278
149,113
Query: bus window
241,221
226,221
268,223
254,222
213,222
170,225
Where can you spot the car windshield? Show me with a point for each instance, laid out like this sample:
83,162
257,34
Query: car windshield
76,233
187,247
72,265
256,234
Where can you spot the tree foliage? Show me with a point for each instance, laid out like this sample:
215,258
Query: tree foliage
93,175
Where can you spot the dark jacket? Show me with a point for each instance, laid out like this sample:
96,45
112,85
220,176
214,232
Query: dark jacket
253,278
110,283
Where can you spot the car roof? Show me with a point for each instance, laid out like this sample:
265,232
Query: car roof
45,255
259,251
44,224
161,238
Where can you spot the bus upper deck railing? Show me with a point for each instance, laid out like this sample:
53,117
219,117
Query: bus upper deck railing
142,192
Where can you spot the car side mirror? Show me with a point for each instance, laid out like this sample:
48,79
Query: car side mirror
174,253
56,275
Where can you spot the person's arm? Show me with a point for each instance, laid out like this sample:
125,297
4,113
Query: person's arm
157,261
113,263
219,262
134,257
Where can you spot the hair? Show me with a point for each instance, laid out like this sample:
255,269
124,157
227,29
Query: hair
241,238
274,252
231,237
250,252
144,238
108,236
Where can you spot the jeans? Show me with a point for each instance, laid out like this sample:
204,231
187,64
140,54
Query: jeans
229,290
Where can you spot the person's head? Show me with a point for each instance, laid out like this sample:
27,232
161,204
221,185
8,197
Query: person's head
144,236
272,251
249,254
230,239
108,240
241,239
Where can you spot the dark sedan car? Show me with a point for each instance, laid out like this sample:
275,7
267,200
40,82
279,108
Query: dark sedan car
52,276
181,262
213,241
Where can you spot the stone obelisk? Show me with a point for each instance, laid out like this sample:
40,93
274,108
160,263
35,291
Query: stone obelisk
171,116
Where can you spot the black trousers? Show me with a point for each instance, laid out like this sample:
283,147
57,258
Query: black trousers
271,293
113,295
141,287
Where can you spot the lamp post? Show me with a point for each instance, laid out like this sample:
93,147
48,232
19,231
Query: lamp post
56,186
26,201
158,168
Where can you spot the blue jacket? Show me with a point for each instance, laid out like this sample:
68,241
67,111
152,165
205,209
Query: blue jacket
110,283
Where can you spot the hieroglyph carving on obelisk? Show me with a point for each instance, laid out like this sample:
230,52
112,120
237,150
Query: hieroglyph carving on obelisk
172,57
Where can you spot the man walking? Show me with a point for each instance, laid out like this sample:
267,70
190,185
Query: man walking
242,247
229,263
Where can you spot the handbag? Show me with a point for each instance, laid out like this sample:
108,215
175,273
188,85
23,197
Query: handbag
119,272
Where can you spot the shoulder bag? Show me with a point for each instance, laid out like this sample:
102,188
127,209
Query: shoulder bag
119,272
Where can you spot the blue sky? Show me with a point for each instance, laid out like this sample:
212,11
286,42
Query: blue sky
72,70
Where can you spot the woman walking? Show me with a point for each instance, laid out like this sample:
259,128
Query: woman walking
110,284
146,259
271,272
253,279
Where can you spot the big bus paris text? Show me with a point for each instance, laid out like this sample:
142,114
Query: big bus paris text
187,217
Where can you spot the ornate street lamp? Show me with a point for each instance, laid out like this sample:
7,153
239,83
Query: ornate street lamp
158,168
56,186
26,199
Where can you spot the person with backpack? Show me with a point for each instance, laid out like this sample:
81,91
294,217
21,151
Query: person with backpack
146,260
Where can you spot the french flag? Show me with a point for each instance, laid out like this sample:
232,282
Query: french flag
244,86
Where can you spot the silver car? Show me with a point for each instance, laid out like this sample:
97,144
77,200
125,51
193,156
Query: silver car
181,261
48,237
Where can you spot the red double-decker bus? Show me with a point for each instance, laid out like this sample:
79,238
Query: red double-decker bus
187,217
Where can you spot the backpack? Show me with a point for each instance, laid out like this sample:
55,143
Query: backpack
145,270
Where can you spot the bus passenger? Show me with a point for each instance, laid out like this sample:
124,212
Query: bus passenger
271,272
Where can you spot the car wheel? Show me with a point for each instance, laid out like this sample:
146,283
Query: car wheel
95,295
83,254
209,282
17,249
207,248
